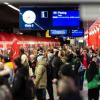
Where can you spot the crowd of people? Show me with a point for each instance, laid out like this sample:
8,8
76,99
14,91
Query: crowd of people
40,71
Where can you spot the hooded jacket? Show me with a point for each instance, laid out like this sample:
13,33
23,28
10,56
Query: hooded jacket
41,75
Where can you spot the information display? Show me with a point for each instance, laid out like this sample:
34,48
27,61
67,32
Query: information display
58,32
43,18
66,18
77,33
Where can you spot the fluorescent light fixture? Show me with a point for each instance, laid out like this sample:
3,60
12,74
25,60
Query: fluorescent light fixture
14,8
11,6
6,3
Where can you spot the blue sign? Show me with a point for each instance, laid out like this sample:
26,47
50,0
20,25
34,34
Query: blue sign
77,33
58,32
66,18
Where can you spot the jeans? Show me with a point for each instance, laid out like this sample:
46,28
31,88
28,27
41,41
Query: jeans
41,94
81,76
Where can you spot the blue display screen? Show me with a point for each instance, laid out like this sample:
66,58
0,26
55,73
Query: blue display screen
77,33
48,18
58,32
66,18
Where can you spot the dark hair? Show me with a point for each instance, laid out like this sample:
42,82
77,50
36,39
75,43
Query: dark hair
17,61
92,71
70,57
6,59
56,53
66,70
40,49
50,50
22,50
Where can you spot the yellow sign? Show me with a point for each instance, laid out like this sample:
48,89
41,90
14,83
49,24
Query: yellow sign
47,34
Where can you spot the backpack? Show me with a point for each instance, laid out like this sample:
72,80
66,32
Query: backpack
29,89
76,63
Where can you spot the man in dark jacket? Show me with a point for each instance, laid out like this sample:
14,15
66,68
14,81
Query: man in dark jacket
56,63
19,84
50,75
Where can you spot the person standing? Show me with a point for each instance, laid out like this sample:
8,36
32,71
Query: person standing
20,79
24,58
92,77
40,80
50,74
85,63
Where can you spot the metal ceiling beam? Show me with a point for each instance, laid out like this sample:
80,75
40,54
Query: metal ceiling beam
52,1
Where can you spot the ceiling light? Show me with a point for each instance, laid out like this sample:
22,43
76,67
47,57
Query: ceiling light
11,6
6,3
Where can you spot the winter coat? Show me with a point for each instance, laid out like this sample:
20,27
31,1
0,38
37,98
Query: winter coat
94,83
41,75
19,84
50,69
92,75
56,63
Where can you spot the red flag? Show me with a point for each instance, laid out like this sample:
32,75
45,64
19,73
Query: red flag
14,50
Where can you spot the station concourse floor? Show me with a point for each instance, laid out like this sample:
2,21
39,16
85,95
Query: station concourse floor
84,94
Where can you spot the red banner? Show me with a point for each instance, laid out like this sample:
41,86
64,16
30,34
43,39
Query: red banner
14,50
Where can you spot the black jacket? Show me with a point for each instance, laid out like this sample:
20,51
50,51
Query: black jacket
56,64
19,85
